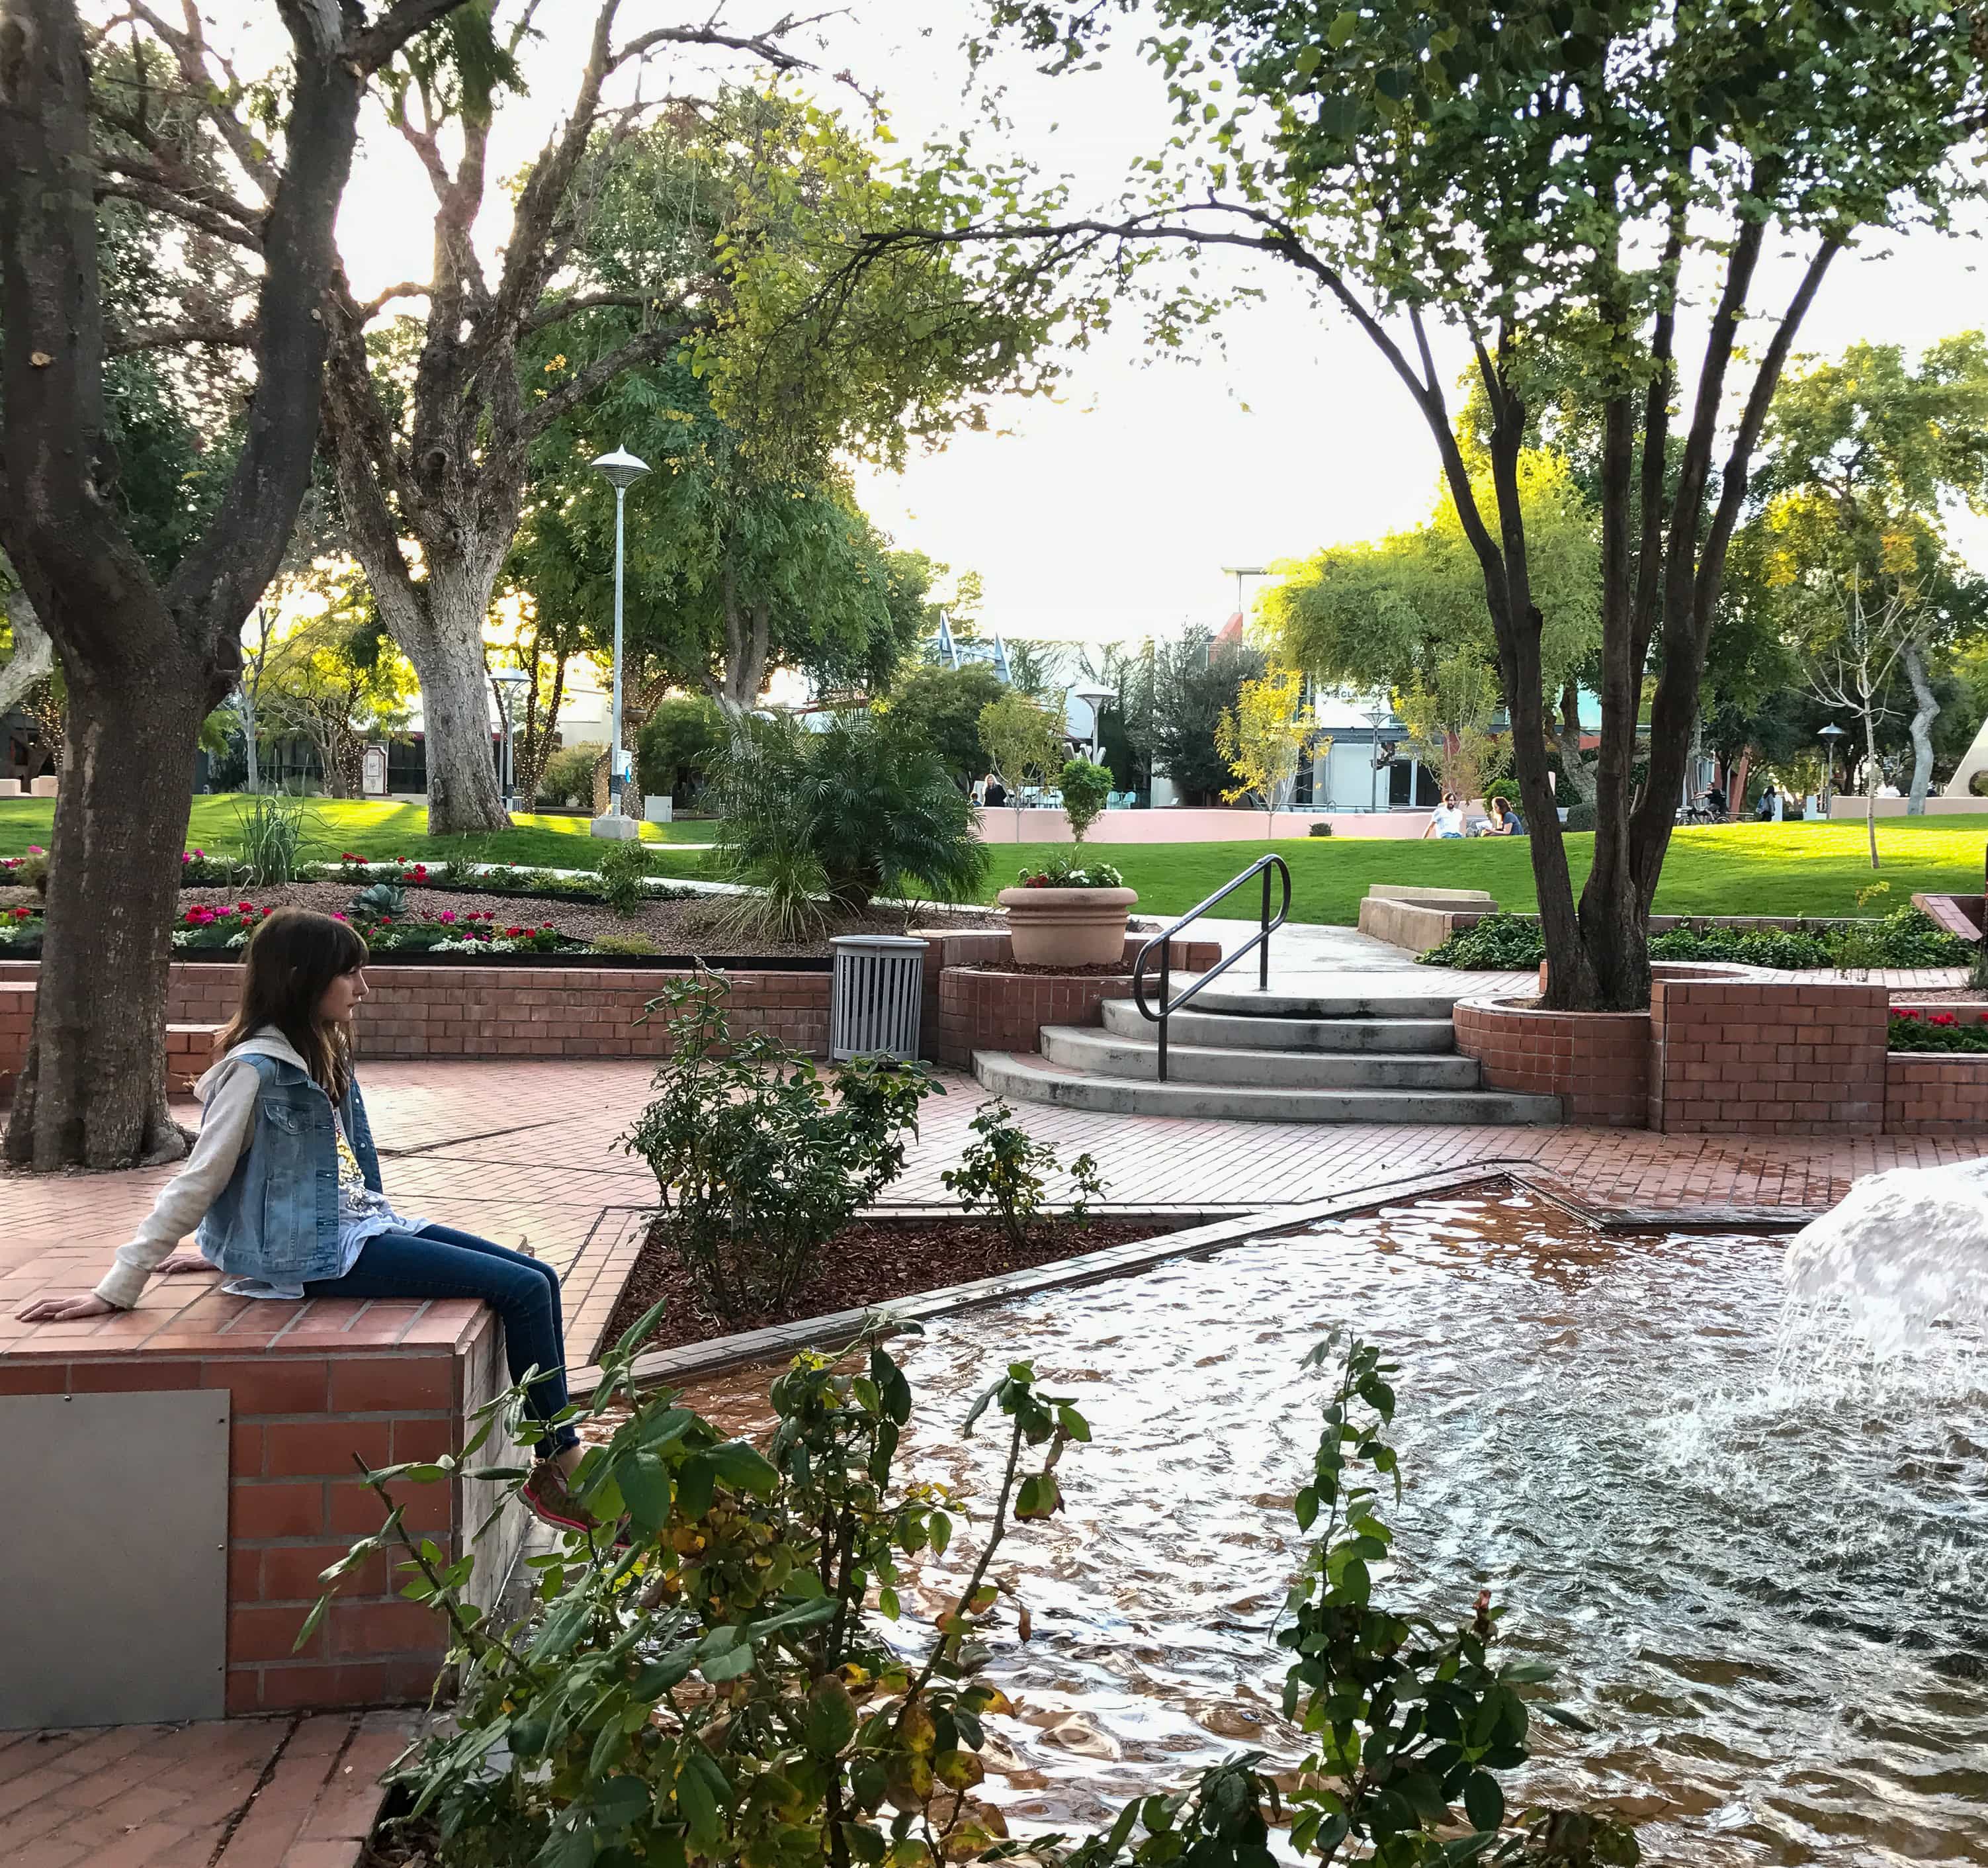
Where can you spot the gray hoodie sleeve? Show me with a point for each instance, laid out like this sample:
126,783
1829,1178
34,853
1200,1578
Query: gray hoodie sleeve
183,1202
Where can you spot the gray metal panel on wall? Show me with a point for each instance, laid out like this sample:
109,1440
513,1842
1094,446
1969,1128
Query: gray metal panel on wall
113,1558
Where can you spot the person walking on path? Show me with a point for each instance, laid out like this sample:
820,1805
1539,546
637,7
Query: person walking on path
283,1189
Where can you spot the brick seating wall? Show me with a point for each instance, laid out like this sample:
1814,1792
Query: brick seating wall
1749,1057
310,1385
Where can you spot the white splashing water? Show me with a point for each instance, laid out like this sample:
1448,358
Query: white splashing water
1892,1282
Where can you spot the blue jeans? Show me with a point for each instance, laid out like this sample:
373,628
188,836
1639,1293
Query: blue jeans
439,1262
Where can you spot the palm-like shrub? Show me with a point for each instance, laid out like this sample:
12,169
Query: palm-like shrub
829,820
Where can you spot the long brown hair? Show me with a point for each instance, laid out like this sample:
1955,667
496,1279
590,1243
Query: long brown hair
292,958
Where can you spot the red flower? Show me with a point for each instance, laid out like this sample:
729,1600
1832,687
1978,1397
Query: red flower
512,933
21,913
1942,1018
247,907
1905,1012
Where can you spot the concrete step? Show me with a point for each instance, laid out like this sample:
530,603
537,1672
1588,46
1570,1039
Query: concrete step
1030,1079
1105,1053
1375,997
1246,1032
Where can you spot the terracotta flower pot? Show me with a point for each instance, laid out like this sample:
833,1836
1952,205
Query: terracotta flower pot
1067,927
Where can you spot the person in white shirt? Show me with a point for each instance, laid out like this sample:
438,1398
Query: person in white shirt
282,1193
1447,819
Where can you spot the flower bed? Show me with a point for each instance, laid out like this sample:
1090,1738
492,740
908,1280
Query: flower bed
1925,1029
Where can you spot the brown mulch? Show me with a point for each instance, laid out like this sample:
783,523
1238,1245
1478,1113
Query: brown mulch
872,1261
685,926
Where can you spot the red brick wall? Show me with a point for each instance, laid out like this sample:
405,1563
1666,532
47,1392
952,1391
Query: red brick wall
467,1012
1936,1093
988,1011
1597,1063
1747,1057
296,1502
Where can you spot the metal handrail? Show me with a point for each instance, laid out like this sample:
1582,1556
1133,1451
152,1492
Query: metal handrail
1163,940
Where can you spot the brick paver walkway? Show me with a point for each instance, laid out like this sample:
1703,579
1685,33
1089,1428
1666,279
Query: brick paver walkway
247,1793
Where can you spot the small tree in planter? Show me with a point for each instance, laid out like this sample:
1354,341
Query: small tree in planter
1087,789
1064,914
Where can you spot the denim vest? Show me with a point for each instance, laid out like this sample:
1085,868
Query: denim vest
277,1219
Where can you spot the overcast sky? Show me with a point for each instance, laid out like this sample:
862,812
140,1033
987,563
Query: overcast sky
1109,512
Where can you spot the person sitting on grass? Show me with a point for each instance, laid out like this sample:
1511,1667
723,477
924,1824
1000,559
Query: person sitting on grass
1504,820
1447,819
283,1188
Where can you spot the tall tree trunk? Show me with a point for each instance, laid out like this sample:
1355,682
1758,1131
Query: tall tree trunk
1567,734
1873,775
1925,712
92,1094
439,623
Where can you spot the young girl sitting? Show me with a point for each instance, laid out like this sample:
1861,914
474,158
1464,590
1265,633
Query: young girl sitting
283,1187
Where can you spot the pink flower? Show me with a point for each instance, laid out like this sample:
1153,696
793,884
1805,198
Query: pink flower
35,849
447,915
336,915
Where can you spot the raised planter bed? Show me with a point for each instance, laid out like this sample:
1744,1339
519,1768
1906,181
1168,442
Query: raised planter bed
871,1262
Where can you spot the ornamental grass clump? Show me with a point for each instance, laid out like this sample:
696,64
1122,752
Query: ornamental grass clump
735,1666
760,1158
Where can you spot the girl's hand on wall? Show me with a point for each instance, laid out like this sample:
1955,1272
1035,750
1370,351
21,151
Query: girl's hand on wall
64,1310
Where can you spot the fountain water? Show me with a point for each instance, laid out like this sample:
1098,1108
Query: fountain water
1904,1252
1768,1602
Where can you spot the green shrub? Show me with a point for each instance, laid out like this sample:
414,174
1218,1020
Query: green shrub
1498,943
1977,786
1579,816
634,945
271,833
760,1161
1320,830
832,819
743,1668
623,867
1086,789
676,745
567,780
1002,1174
1903,938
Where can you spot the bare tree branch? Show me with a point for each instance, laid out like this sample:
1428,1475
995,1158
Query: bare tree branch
185,330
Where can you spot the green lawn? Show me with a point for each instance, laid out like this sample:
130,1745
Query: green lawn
377,828
1735,869
1738,869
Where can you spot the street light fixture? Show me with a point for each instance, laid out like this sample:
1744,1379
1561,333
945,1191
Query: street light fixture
1829,736
507,681
622,470
1096,698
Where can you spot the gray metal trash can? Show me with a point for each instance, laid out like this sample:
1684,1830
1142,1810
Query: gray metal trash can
874,997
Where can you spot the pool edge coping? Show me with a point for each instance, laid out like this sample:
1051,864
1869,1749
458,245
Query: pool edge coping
719,1353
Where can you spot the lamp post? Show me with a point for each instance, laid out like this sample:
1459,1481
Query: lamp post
1377,713
1829,736
623,470
507,681
1095,698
